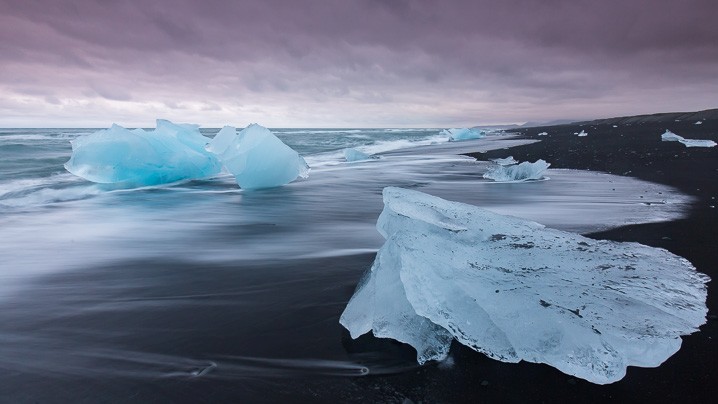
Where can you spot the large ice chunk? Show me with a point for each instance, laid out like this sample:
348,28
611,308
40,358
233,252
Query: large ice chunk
515,290
257,158
515,173
672,137
171,152
458,134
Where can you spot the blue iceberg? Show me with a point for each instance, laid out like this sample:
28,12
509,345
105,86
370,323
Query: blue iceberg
459,134
170,153
257,158
515,290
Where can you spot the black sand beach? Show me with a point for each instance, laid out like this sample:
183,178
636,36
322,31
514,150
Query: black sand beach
632,146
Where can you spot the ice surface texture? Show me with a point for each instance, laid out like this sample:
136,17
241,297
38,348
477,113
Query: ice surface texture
515,290
672,137
520,172
137,157
257,158
463,134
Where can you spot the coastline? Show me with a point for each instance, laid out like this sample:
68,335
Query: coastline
634,148
197,319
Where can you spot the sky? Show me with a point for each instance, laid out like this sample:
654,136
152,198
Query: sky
352,63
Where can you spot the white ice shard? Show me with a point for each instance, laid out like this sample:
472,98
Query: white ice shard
169,153
520,172
355,155
257,158
672,137
581,134
543,134
506,161
698,123
458,134
515,290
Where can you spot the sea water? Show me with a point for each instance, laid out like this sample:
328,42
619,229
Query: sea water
201,290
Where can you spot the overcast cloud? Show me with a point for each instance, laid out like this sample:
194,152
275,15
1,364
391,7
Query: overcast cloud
361,63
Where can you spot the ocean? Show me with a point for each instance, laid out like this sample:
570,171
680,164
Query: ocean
201,292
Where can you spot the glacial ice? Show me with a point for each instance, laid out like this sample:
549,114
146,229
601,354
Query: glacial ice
581,134
543,134
355,155
672,137
257,158
520,172
506,161
169,153
515,290
459,134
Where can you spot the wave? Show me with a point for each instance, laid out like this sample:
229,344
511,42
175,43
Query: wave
45,196
318,131
44,136
336,156
383,146
403,130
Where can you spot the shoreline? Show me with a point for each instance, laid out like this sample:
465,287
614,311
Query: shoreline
158,311
635,149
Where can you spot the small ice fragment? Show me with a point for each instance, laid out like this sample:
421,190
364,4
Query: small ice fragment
589,308
698,123
456,135
169,153
257,158
517,173
672,137
543,134
506,161
615,126
582,133
355,155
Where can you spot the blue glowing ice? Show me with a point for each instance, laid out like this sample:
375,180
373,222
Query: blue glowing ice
355,155
257,158
459,134
170,153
